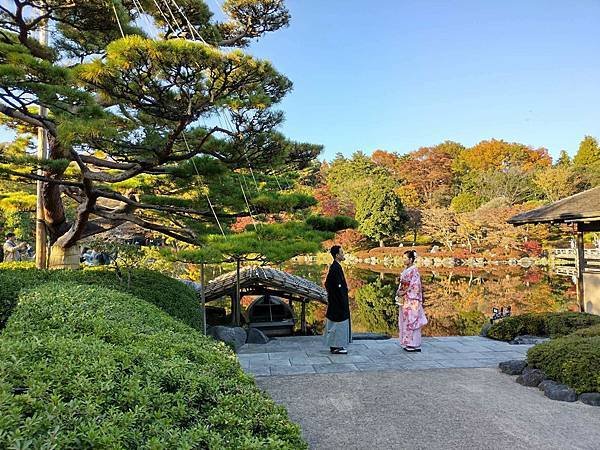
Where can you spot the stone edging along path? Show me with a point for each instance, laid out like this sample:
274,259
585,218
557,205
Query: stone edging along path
531,377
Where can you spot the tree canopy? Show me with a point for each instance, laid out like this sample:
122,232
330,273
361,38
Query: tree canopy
147,125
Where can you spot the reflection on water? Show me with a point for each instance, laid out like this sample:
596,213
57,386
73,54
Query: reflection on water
458,301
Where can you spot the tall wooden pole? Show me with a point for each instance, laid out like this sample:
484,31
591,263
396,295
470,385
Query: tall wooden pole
238,300
41,260
579,268
203,298
303,318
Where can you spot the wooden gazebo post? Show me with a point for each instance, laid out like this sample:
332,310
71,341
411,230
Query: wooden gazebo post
238,300
303,318
579,265
203,297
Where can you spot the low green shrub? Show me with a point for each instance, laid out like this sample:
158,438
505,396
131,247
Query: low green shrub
541,324
572,360
588,332
13,278
172,296
562,324
511,327
336,223
85,366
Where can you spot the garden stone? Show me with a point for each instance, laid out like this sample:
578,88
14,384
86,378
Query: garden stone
526,262
485,328
531,377
195,286
590,398
255,336
513,367
560,392
232,335
543,384
528,340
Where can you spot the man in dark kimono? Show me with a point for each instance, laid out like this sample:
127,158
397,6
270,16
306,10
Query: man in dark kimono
337,329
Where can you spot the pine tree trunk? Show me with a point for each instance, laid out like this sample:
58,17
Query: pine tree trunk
64,258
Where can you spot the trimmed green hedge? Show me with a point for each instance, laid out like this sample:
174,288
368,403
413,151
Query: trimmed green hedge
84,366
541,324
572,360
588,332
336,223
172,296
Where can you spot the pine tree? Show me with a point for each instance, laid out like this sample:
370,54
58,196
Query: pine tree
144,128
587,161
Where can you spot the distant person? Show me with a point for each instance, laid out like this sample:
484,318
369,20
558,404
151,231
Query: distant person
12,250
337,329
409,297
91,257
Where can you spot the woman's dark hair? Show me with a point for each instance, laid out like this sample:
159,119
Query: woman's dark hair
335,250
411,254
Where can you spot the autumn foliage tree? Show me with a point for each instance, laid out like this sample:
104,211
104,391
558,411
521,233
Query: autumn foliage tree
429,172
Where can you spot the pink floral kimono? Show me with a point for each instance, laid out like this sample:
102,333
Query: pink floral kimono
412,316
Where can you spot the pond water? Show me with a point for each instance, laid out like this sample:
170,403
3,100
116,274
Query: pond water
458,301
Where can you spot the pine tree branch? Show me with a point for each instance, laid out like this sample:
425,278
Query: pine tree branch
31,119
35,177
171,232
99,162
167,209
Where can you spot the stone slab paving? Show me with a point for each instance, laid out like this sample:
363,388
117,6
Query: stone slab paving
301,355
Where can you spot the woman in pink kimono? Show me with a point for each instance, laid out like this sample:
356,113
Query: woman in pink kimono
410,298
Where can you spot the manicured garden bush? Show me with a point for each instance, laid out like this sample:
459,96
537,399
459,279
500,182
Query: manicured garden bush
13,278
335,223
572,360
84,366
172,296
592,331
541,324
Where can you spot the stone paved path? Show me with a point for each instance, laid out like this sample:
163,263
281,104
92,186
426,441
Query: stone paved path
307,355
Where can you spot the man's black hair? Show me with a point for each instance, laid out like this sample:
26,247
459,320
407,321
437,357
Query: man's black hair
10,235
335,250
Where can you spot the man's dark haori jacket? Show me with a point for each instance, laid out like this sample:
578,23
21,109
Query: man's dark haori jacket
338,308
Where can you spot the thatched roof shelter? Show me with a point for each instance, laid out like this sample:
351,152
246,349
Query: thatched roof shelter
263,281
582,209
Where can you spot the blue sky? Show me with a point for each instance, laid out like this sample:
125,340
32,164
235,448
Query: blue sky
400,74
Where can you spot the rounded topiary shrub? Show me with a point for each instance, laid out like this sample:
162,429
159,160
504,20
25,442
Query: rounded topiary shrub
84,366
562,324
592,331
541,324
572,360
511,327
13,278
172,296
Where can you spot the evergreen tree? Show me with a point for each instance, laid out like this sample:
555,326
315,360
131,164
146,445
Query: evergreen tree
145,129
380,213
588,153
564,160
587,161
